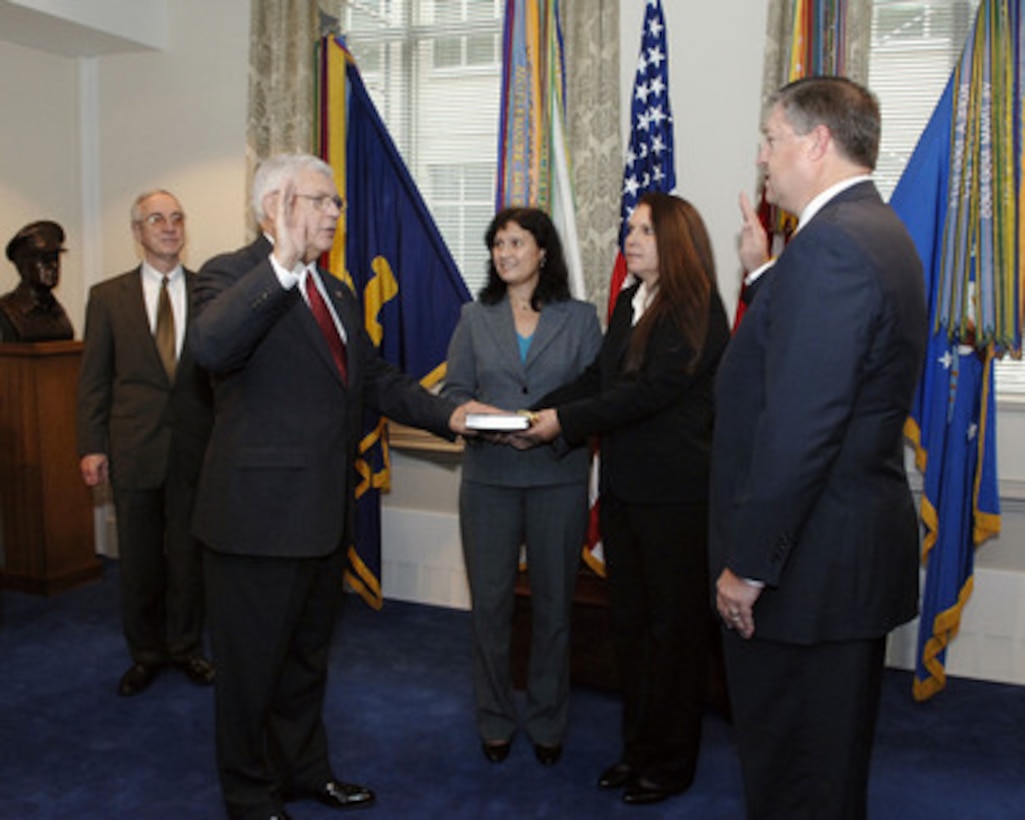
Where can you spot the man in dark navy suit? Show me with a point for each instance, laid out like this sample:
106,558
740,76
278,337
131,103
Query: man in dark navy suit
814,536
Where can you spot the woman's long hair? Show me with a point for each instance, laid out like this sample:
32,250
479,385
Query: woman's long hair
553,283
686,277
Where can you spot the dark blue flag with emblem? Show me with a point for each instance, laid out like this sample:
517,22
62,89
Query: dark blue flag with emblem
399,266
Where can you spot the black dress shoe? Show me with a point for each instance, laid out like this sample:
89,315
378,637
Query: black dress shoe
547,755
496,750
138,677
643,791
197,669
615,777
338,795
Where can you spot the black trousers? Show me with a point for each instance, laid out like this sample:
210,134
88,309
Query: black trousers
271,624
804,718
657,565
161,570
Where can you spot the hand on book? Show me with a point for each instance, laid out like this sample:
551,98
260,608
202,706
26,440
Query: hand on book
544,426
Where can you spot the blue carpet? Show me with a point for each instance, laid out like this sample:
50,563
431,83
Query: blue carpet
400,718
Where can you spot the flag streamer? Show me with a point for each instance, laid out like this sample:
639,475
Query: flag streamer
968,162
534,165
818,46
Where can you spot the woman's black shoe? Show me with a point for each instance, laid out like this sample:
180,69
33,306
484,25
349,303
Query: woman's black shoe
615,777
496,750
547,755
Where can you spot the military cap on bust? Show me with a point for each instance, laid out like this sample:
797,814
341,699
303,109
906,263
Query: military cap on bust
37,237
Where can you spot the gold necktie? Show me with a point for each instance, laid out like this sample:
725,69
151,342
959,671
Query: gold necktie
164,333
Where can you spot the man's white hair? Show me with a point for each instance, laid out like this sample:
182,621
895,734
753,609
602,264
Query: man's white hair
275,171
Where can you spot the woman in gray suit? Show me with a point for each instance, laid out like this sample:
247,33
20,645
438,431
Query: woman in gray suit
524,337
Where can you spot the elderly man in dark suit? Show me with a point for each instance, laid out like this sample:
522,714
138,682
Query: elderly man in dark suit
144,415
814,536
293,369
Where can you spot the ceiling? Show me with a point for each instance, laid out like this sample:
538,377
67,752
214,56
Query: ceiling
45,26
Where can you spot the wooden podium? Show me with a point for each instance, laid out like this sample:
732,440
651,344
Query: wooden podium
48,531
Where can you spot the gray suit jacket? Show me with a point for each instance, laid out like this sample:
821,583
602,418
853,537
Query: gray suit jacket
127,408
808,487
484,363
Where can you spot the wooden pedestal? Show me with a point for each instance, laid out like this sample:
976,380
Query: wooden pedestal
48,535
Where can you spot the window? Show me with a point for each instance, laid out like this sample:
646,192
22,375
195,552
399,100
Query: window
915,46
433,69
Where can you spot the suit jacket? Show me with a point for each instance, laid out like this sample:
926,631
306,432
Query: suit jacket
278,474
484,363
809,492
127,407
656,425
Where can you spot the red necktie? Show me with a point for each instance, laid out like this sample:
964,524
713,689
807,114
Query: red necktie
327,326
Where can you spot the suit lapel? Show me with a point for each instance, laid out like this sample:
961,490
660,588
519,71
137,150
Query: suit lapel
500,326
549,324
185,357
621,326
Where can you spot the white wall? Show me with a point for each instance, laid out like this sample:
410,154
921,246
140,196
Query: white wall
85,135
176,119
39,159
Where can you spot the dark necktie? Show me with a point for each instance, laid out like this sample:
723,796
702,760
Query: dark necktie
327,327
164,333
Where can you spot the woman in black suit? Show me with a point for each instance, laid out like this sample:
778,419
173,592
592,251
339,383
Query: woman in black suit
648,395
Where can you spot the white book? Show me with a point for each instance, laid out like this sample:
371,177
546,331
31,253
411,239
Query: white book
497,422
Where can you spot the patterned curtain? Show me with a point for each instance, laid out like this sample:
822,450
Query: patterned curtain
591,31
282,105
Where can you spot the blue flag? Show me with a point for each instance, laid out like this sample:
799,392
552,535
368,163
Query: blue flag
953,420
398,265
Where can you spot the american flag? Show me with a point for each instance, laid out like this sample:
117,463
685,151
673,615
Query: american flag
650,165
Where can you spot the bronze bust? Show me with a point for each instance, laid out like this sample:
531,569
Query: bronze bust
30,312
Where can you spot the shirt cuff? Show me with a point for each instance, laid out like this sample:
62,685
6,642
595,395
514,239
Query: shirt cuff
759,271
288,278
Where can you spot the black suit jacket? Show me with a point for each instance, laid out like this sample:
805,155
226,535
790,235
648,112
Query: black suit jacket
655,425
809,492
278,475
127,407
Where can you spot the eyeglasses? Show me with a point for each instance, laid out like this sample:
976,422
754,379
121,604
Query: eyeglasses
320,201
160,220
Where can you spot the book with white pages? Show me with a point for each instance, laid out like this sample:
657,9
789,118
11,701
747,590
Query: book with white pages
497,422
